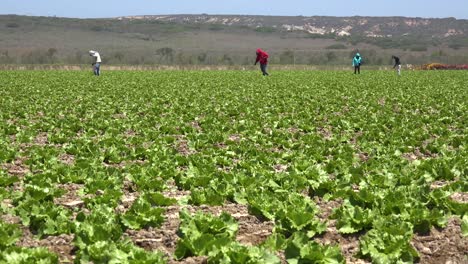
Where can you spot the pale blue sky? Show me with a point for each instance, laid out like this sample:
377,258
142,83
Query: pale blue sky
113,8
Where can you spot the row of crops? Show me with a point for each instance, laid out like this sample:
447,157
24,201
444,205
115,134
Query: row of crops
308,155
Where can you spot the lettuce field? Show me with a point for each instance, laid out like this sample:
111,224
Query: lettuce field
233,167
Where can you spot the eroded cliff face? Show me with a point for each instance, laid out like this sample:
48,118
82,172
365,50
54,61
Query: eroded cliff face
339,26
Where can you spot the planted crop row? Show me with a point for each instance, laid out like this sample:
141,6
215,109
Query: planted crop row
314,155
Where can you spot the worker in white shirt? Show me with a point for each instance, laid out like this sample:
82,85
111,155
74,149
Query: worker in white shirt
97,62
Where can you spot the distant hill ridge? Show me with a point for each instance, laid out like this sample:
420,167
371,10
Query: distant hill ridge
323,25
231,39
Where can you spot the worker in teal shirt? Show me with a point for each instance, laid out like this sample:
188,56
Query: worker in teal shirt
357,60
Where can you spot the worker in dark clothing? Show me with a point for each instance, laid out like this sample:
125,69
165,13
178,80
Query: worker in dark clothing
357,60
262,57
397,65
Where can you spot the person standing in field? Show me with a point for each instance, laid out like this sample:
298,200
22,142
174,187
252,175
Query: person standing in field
397,64
262,57
97,62
357,60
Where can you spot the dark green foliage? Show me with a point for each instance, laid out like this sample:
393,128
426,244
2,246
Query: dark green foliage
337,47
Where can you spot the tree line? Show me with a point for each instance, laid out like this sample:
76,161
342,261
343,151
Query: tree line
168,56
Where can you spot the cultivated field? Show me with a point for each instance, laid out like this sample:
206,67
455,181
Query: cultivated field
232,167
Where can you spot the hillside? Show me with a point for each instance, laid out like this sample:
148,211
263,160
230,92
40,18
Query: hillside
222,39
320,25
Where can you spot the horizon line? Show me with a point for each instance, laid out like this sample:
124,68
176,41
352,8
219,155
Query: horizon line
248,15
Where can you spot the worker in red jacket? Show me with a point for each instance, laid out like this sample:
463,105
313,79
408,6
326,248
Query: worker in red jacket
262,57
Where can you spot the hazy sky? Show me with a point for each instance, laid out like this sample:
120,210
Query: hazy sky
113,8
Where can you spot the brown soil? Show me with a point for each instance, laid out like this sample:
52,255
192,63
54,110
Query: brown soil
275,150
70,198
41,139
61,245
280,254
10,219
129,133
445,245
326,207
182,146
235,137
460,197
67,159
221,145
120,116
17,167
279,168
382,101
253,231
418,155
325,132
174,193
360,155
130,195
163,238
196,125
363,156
191,260
440,184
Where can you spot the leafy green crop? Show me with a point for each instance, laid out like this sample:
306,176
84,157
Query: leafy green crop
464,225
6,180
291,212
389,241
121,252
98,159
300,250
16,255
238,254
101,225
144,214
8,234
9,253
204,233
208,235
351,219
98,238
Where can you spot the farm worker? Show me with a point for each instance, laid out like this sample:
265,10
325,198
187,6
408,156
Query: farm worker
397,64
357,60
262,57
97,62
